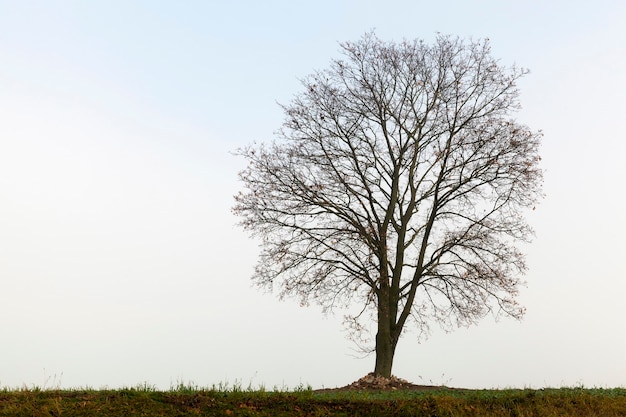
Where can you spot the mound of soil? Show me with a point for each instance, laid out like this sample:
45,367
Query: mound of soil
371,382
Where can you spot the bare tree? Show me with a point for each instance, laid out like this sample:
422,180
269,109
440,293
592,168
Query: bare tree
398,181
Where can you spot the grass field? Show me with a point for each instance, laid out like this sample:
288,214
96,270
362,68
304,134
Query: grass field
145,400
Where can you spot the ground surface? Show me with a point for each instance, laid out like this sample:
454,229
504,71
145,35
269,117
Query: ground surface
372,397
370,382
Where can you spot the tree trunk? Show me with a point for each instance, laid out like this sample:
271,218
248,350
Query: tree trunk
385,345
384,355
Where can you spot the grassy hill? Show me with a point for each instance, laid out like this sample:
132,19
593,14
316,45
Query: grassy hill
185,401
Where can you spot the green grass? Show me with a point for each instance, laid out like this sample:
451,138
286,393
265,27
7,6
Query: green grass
225,400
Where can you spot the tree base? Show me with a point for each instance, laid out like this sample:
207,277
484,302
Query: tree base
371,382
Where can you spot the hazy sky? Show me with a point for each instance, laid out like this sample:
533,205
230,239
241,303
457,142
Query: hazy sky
121,263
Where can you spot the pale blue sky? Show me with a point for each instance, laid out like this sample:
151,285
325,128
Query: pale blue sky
120,261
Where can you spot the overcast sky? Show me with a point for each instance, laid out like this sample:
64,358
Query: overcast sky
121,263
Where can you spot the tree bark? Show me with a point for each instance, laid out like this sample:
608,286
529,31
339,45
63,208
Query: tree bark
385,345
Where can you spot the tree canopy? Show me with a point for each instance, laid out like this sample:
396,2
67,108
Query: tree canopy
398,182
